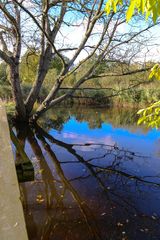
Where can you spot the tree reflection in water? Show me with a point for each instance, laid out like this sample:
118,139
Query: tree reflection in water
87,194
94,116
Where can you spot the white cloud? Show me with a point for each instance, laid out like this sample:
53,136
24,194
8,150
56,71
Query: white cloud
72,36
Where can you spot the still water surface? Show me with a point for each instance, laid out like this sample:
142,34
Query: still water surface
97,176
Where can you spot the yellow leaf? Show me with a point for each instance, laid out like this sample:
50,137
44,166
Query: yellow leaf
39,198
41,171
140,111
130,10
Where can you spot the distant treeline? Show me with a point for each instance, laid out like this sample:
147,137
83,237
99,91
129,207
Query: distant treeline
112,86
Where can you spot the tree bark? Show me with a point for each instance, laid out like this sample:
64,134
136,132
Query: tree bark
17,93
42,71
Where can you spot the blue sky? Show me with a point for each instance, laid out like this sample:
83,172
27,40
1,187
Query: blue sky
138,141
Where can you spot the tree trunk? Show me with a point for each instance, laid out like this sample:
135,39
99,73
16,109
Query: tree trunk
43,108
17,93
42,71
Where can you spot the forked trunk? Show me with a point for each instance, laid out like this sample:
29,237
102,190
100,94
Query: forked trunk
41,74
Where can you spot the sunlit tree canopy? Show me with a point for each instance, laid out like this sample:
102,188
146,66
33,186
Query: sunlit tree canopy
146,7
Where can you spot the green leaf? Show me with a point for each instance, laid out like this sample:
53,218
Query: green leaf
147,7
108,7
155,14
130,10
140,111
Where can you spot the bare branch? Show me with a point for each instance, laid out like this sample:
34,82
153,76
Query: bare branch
42,30
6,58
121,74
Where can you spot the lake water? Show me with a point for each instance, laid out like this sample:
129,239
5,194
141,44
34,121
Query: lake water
97,176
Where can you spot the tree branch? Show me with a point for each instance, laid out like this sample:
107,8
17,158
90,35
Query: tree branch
6,58
41,29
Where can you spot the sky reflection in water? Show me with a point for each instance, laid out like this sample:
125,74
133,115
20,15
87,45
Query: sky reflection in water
93,183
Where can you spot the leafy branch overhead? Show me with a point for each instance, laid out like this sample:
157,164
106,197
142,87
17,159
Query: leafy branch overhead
145,7
150,116
155,72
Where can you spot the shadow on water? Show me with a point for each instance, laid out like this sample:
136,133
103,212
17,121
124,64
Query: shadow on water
88,188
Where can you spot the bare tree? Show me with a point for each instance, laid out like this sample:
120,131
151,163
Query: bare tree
47,24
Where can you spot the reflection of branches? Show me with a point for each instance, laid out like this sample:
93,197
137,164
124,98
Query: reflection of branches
20,148
82,205
46,172
111,147
132,177
48,180
116,184
89,166
95,170
70,148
